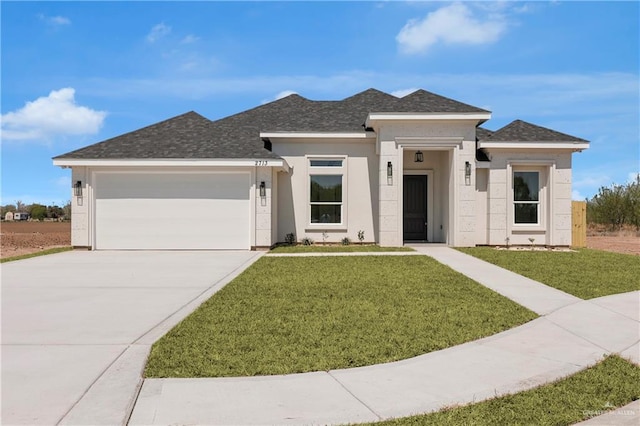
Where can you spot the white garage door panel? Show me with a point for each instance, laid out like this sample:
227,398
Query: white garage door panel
172,211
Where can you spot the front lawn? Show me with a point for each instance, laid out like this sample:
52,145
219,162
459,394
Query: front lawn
292,315
337,249
612,383
584,273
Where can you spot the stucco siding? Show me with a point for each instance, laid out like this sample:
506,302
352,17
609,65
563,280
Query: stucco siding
263,207
555,203
360,183
80,209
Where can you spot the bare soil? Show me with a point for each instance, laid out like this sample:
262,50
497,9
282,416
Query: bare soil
24,237
618,244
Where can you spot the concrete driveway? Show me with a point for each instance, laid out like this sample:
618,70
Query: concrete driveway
77,326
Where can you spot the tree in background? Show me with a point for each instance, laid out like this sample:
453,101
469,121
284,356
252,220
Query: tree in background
67,210
54,212
7,208
616,206
37,211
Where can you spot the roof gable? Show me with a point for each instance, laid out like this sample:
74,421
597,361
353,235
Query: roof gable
521,131
423,101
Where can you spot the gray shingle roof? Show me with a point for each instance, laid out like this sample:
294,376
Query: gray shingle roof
482,133
521,131
238,136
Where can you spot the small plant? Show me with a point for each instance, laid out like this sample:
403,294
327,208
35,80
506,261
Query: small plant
507,241
361,236
290,239
345,241
306,241
531,240
324,237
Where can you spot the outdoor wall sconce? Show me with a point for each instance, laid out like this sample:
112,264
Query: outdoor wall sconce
419,158
77,189
467,173
263,190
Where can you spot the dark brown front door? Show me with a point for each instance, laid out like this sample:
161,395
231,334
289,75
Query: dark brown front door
415,207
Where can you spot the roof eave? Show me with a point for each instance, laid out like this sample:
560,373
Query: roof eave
478,117
171,162
318,135
547,145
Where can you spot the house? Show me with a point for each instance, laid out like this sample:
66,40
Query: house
8,216
20,216
416,168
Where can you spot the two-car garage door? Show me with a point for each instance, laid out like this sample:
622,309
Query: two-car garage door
172,211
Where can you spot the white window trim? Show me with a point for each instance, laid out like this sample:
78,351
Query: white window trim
545,169
538,202
329,170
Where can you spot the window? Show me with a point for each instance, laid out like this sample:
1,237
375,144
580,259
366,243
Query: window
325,163
326,202
526,197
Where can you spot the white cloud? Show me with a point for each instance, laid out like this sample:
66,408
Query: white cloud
284,94
403,92
47,116
452,24
633,177
577,196
280,95
55,20
158,31
189,39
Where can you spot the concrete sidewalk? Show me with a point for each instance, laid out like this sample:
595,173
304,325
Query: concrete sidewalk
571,335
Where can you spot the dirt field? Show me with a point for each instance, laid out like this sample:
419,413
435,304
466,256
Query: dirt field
19,238
619,244
30,237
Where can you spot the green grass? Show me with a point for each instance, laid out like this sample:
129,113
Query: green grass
40,253
291,315
584,273
336,249
613,382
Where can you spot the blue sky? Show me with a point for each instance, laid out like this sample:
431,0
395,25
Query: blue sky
76,73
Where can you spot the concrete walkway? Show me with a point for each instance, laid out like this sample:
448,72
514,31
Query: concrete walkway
570,335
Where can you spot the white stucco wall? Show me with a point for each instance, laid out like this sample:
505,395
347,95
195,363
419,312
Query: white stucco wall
555,228
360,169
455,141
263,207
80,208
482,203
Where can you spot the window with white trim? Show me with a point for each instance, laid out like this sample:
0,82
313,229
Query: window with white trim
526,197
326,204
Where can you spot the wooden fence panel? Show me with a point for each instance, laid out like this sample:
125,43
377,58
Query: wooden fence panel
578,224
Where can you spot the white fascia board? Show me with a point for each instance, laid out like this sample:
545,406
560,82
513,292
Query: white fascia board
576,146
318,135
404,116
163,162
428,142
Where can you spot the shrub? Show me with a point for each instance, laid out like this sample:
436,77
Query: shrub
290,239
616,206
306,241
345,241
361,236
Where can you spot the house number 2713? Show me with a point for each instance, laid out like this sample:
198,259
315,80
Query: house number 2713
262,163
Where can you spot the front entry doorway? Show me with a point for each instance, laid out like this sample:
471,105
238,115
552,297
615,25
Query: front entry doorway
415,208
